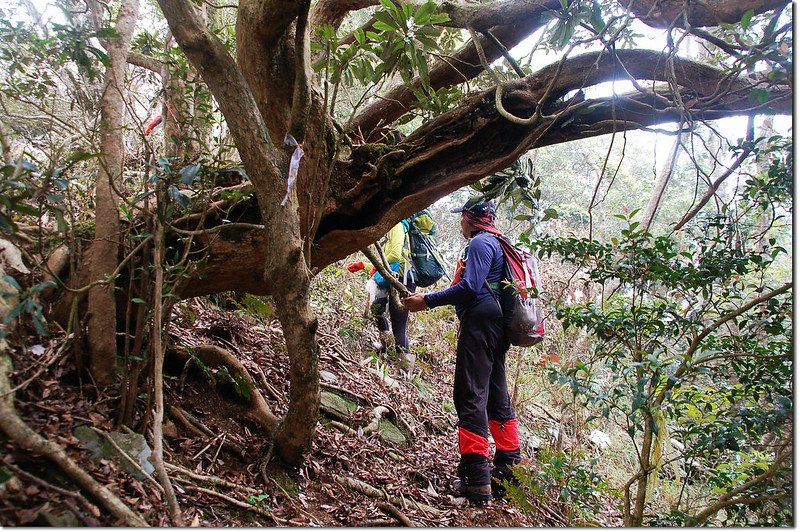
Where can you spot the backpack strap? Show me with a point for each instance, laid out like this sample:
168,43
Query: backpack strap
406,253
488,286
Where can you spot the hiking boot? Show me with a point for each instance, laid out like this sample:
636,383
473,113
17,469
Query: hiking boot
378,347
502,473
481,493
498,490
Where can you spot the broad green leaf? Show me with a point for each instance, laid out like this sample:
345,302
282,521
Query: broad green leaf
596,19
23,208
383,26
422,65
360,36
177,196
189,173
550,214
427,42
13,282
6,224
423,13
746,18
407,11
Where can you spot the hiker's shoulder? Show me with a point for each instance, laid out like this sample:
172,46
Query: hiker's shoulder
484,243
484,238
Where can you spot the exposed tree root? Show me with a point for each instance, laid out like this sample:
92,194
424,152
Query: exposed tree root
19,433
392,510
354,395
342,427
211,355
374,523
158,352
197,428
377,414
209,478
366,489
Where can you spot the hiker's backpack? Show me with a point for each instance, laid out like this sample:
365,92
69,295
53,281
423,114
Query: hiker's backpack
422,249
519,291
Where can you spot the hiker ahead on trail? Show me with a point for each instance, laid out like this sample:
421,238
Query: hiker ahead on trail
479,387
378,288
412,252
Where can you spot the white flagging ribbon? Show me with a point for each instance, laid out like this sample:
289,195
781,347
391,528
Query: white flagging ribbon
294,164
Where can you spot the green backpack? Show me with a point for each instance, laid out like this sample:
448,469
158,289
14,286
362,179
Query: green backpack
422,250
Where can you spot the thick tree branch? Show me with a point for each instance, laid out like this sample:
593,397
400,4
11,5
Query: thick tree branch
484,16
467,144
225,81
472,141
687,357
273,17
301,98
144,61
333,11
738,312
464,64
375,254
734,496
667,13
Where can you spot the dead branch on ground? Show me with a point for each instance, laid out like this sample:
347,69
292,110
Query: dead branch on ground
392,510
199,429
371,491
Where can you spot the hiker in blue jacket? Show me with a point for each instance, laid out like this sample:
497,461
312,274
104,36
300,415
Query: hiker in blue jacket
480,394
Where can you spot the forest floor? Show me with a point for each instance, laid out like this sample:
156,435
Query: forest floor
415,475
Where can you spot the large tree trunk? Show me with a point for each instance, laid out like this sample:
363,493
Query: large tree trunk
668,13
296,432
102,338
260,113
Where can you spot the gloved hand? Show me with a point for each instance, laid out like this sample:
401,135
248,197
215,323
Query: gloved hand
355,266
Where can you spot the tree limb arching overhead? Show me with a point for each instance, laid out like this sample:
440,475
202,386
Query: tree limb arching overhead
669,13
472,141
511,27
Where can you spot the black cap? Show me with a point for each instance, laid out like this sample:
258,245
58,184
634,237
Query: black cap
476,207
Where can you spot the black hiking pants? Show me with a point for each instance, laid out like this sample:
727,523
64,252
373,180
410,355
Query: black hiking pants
398,316
481,396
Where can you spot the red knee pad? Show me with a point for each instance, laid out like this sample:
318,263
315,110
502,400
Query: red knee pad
469,442
505,434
